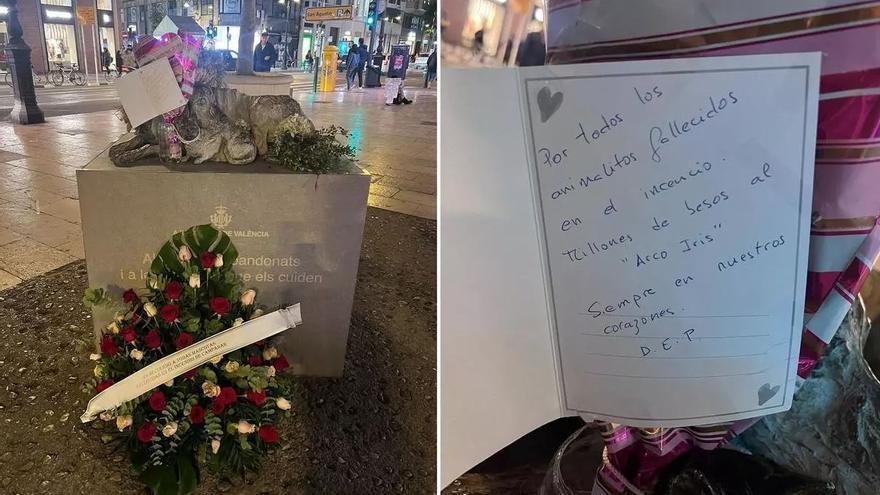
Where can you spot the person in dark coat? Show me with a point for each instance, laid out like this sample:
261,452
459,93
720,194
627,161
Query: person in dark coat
431,69
264,54
531,51
119,62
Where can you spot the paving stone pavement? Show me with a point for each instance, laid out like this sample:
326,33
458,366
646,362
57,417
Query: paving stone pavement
39,206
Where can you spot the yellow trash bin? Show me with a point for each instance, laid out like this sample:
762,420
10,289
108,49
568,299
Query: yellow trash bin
329,56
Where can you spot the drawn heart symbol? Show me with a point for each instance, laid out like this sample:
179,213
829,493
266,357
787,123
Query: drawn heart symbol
766,393
548,104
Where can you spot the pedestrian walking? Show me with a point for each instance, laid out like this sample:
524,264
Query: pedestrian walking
309,61
352,64
431,68
478,44
265,54
118,63
106,60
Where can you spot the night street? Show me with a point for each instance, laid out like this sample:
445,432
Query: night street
68,99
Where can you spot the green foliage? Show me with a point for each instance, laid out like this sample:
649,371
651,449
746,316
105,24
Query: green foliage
316,152
198,239
178,478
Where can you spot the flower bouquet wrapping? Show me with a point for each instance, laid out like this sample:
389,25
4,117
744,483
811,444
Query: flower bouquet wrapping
221,414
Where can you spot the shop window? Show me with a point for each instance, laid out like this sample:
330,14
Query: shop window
60,44
105,4
66,3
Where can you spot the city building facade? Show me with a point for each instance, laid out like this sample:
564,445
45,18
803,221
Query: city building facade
56,36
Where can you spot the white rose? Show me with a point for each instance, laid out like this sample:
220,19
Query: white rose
150,309
113,327
170,383
210,390
247,297
269,353
184,254
106,416
244,427
99,371
94,357
169,429
215,445
217,359
231,367
194,281
257,313
282,404
237,322
136,354
270,371
218,261
123,422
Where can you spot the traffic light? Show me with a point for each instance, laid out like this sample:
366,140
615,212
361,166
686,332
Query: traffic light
371,16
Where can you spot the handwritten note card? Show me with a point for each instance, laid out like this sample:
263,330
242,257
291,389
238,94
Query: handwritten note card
149,92
674,201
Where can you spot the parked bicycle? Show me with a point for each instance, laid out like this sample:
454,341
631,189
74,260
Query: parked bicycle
71,74
39,79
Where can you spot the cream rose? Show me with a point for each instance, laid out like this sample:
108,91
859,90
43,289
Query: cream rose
237,322
194,281
247,297
231,366
123,422
94,357
184,254
269,353
169,429
113,327
257,313
99,371
136,354
244,427
270,371
150,309
170,383
210,390
218,261
106,416
282,404
216,359
215,445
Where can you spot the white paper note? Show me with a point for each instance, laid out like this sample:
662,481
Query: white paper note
149,91
674,198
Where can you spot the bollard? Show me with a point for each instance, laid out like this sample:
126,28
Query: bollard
328,68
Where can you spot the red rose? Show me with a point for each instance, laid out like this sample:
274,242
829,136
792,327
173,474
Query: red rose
280,363
103,385
173,290
190,374
152,339
217,407
196,414
268,434
256,397
255,360
157,401
108,346
146,432
128,334
183,340
135,318
169,313
207,259
129,296
220,305
227,396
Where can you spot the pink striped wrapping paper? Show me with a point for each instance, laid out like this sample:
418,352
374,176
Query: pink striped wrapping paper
845,237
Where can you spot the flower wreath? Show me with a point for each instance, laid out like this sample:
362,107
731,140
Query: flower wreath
221,414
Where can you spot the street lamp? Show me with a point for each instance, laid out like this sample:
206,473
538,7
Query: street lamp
18,56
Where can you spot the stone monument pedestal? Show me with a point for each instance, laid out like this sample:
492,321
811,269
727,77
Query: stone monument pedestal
298,237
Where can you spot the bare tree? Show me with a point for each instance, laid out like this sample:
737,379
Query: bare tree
246,37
